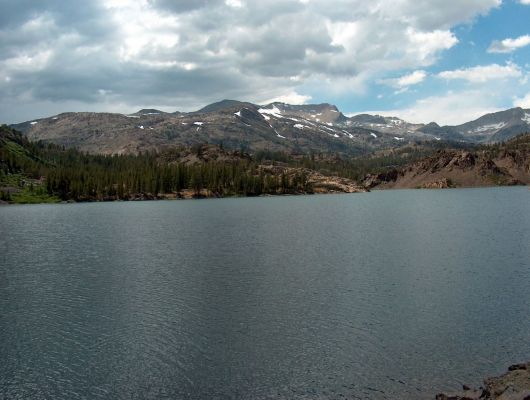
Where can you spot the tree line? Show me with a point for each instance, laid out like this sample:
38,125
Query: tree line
71,174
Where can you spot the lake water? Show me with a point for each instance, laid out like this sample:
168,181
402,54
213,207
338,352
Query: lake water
391,294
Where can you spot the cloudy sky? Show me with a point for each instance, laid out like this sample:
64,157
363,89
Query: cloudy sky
447,61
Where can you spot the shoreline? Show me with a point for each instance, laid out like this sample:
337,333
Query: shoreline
187,196
512,385
176,197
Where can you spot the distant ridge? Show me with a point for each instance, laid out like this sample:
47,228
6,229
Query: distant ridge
503,164
223,105
276,126
148,111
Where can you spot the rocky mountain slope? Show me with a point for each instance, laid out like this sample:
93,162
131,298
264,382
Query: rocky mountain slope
501,164
237,125
489,128
390,125
34,173
276,126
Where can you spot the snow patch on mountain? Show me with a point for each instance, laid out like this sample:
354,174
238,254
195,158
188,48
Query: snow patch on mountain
526,118
491,127
274,111
329,129
276,132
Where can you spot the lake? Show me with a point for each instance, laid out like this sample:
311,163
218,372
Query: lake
389,294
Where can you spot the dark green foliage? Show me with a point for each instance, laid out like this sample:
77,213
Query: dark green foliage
357,168
39,172
518,147
69,174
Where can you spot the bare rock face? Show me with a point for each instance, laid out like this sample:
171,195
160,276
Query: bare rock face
463,160
489,167
373,180
513,385
504,164
489,128
443,183
333,184
317,182
235,125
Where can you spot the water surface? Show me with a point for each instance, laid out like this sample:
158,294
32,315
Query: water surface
394,294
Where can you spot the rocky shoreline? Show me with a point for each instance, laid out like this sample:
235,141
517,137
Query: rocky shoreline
512,385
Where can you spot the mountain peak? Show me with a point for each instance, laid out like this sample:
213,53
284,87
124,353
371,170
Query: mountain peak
148,111
277,126
432,125
223,105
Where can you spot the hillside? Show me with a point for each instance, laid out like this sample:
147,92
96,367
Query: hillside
237,125
40,172
234,124
500,164
37,172
490,128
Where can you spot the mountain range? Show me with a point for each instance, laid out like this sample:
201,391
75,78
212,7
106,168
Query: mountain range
251,127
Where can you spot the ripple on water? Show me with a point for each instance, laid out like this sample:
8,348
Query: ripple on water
386,295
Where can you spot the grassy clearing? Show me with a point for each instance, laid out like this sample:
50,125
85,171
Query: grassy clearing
35,196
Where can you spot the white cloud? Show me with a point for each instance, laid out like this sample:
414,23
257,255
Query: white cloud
187,53
483,73
525,2
452,108
432,13
289,98
412,79
523,102
425,45
509,45
27,62
234,3
406,80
